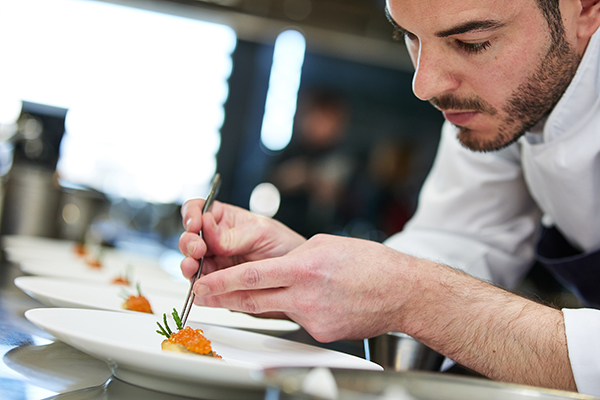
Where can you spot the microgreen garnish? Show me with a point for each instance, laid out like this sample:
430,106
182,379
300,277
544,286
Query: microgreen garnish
166,331
162,330
124,295
100,253
177,319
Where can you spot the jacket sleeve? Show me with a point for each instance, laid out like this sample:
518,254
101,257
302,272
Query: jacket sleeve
582,327
474,214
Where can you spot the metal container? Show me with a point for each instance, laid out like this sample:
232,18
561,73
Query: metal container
76,212
400,352
340,384
31,201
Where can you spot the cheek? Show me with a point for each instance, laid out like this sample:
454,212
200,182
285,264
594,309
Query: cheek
507,72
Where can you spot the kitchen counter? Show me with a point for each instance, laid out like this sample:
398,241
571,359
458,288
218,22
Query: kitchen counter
36,366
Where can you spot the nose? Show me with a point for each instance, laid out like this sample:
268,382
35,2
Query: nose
433,74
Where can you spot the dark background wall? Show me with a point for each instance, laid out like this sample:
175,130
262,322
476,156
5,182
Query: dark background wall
381,108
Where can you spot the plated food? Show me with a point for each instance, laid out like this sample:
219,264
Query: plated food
137,358
137,302
80,249
185,340
67,292
95,261
123,279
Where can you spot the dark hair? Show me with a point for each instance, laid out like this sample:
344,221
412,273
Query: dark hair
551,11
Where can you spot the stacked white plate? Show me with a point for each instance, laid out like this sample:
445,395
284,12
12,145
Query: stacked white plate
90,318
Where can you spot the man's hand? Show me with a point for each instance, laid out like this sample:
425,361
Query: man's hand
343,288
334,287
231,235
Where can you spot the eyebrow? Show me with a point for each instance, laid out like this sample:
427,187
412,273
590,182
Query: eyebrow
469,26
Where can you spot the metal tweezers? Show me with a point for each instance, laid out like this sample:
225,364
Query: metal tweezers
189,301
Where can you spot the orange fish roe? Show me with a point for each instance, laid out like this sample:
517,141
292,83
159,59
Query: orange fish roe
138,303
119,280
192,339
80,249
94,263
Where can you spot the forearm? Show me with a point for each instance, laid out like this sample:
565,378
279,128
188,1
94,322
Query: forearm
494,332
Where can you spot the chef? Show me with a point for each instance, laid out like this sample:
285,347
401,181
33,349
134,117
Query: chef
517,176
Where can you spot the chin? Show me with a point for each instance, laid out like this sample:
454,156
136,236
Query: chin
482,141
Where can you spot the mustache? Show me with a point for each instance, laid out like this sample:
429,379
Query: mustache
449,102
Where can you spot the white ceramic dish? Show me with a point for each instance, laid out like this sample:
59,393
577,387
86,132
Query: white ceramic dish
131,347
28,241
31,248
150,278
54,292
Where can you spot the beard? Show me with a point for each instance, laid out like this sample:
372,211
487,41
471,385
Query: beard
528,104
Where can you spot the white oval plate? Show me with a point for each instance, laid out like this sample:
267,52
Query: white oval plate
55,292
31,248
148,277
131,347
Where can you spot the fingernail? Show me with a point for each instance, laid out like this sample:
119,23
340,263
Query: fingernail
201,290
188,223
191,247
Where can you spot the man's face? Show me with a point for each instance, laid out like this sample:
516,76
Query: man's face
491,67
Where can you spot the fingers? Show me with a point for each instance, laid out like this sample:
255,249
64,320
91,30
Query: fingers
269,302
189,266
191,215
230,240
265,274
192,245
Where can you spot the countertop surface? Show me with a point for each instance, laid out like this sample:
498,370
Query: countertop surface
35,365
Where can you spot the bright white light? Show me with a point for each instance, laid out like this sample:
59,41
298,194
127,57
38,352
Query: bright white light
10,109
282,95
265,200
145,96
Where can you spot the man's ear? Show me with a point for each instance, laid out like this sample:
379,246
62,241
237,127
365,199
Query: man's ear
589,18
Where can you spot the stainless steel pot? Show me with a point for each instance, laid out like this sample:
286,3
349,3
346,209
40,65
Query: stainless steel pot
340,384
30,202
400,352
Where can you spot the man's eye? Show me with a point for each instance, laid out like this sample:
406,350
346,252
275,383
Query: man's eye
403,35
473,48
409,36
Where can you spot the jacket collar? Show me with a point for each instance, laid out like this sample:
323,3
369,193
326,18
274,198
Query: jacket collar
581,99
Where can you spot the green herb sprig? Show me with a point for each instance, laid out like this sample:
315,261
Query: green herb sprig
166,331
124,294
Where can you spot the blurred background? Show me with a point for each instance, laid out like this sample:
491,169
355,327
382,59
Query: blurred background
113,113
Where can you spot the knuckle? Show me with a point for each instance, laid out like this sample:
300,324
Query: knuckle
318,238
251,277
248,304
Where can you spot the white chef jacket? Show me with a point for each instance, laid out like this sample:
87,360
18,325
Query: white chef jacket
481,212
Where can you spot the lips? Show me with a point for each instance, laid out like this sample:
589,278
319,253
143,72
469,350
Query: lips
459,118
